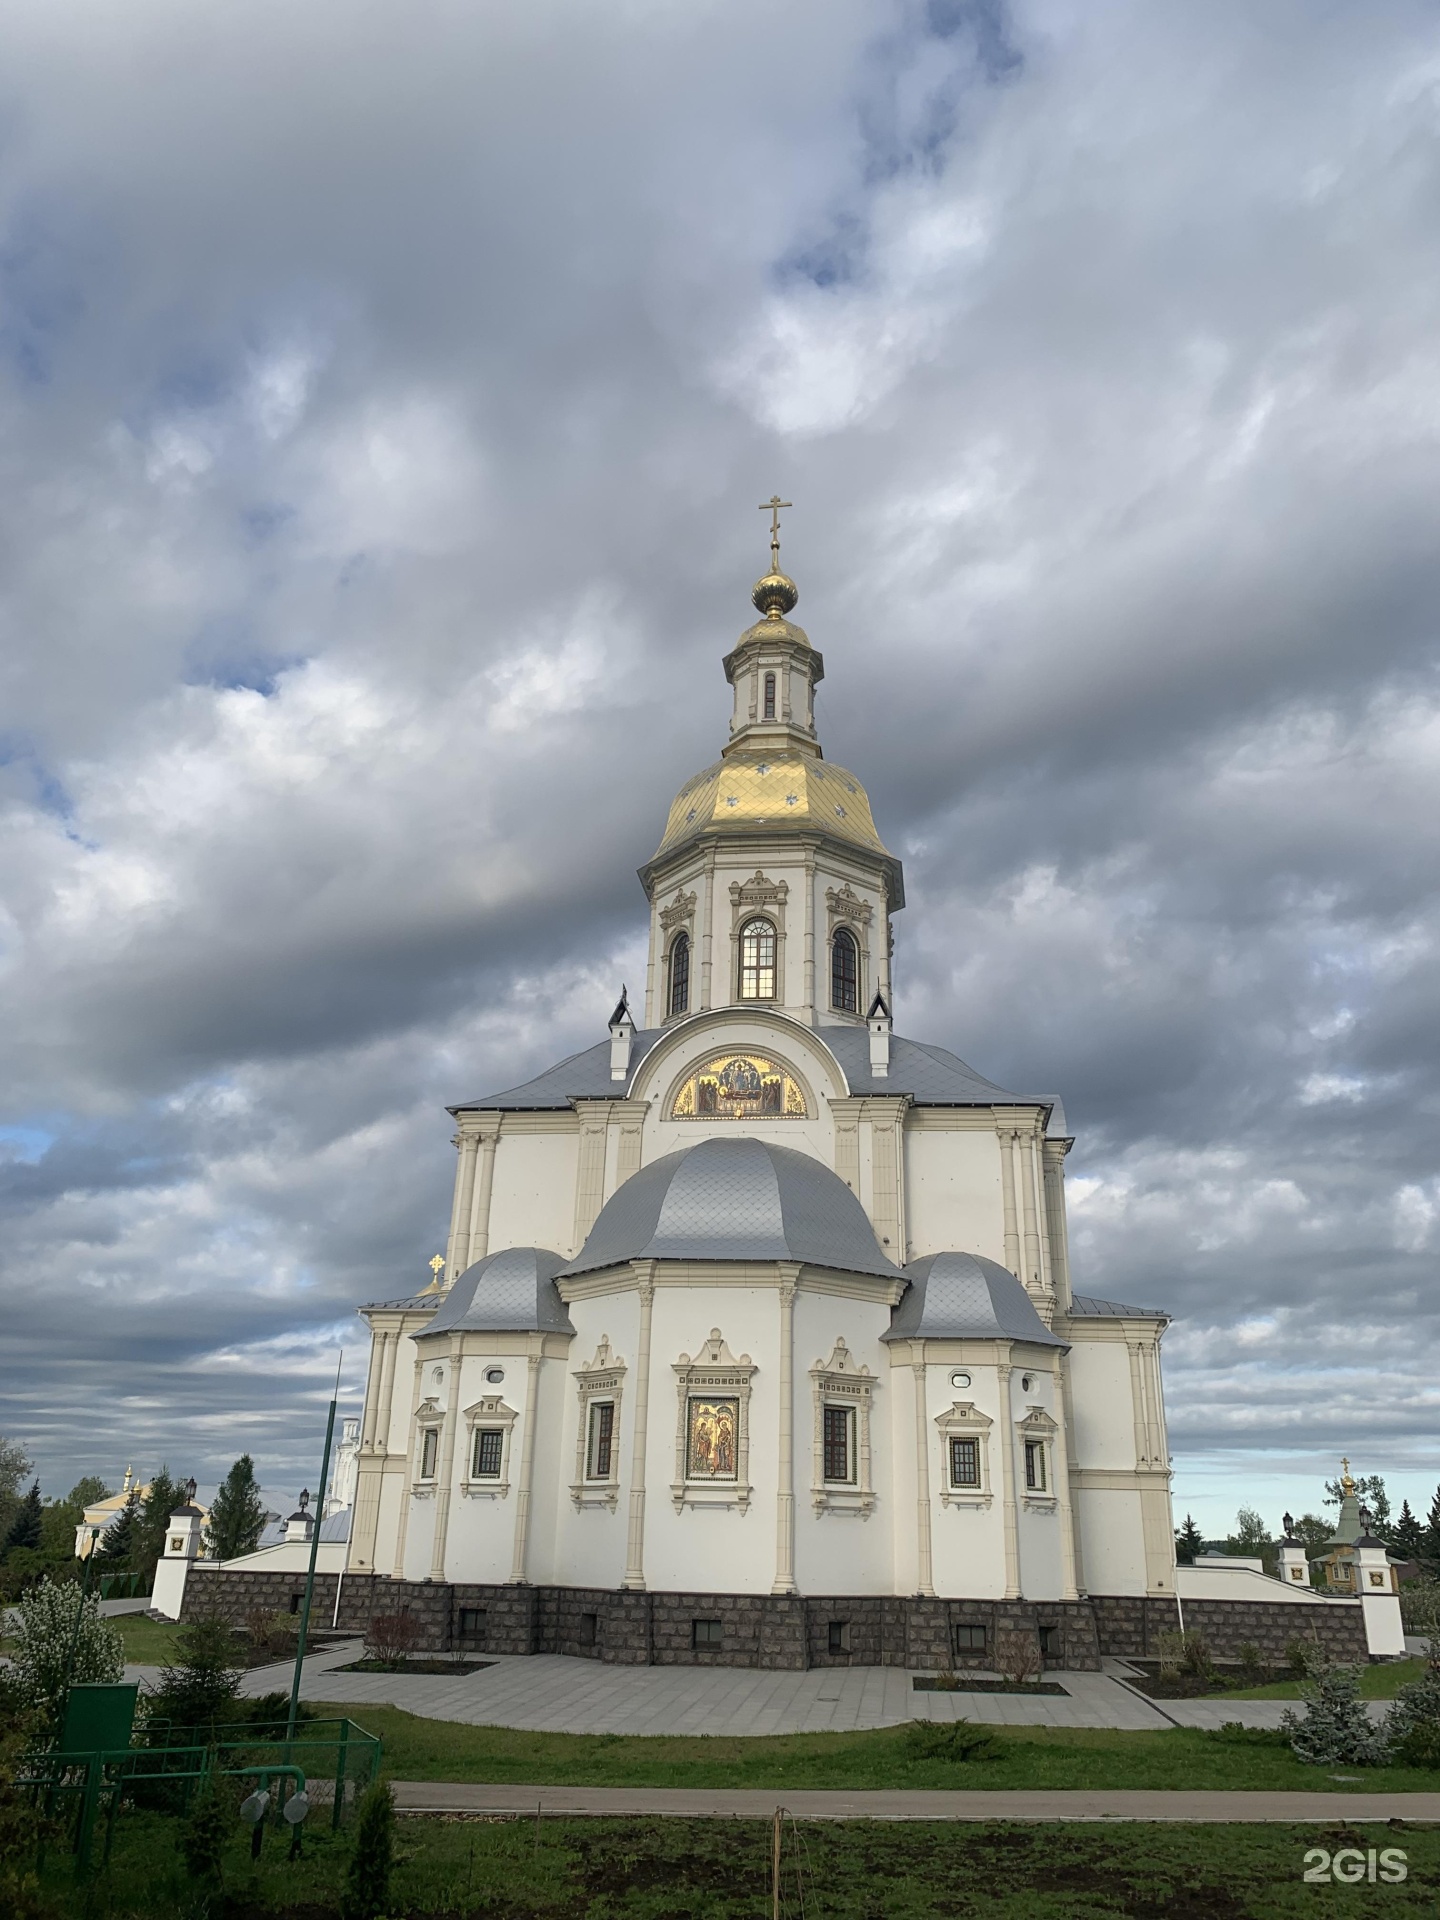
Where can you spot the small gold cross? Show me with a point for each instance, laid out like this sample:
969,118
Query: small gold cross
436,1264
773,506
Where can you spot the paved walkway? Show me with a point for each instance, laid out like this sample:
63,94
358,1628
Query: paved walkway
548,1693
421,1796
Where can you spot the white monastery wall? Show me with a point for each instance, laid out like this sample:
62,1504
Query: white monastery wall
953,1194
1102,1403
967,1534
533,1198
1113,1538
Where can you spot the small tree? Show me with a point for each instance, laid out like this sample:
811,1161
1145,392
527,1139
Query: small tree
1336,1729
1412,1725
1188,1542
1430,1545
88,1491
25,1527
1420,1609
1250,1535
15,1463
237,1514
367,1882
207,1830
47,1633
390,1637
118,1542
197,1691
1017,1656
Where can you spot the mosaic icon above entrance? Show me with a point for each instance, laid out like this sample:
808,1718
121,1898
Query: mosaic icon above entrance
740,1086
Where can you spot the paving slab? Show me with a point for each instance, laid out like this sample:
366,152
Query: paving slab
755,1803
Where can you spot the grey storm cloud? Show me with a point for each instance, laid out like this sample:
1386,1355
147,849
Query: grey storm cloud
386,394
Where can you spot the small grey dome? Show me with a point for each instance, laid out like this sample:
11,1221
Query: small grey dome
736,1199
963,1296
508,1292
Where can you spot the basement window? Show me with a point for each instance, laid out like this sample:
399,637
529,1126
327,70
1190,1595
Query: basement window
706,1634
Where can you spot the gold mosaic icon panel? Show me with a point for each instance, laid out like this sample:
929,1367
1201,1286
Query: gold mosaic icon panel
711,1450
739,1086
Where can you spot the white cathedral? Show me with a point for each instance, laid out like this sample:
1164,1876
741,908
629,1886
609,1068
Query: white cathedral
756,1338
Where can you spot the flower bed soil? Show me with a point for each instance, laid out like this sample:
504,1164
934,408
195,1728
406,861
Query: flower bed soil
1191,1686
935,1683
415,1666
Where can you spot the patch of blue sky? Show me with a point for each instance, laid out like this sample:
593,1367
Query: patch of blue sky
42,296
25,1145
909,109
228,653
42,784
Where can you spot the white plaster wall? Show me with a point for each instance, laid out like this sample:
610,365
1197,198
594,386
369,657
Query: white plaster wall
898,1411
586,1548
1038,1526
532,1202
816,1067
837,1552
1104,1408
480,1537
392,1487
553,1470
1112,1539
420,1537
968,1544
712,1549
953,1195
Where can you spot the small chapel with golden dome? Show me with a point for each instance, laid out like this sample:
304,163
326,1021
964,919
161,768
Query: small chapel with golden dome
756,1340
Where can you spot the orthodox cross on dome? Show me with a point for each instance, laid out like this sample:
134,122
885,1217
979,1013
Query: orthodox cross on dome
772,506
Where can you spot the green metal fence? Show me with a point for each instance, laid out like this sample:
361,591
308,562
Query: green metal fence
330,1760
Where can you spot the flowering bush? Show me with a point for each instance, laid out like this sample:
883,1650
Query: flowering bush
42,1652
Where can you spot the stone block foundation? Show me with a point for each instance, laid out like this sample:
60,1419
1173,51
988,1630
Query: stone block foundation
772,1631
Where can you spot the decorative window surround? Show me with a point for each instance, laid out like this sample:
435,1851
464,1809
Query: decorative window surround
845,908
602,1378
713,1372
1038,1428
489,1410
765,898
429,1418
838,1382
963,1420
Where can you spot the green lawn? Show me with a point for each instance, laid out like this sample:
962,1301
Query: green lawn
720,1870
421,1749
1381,1681
148,1643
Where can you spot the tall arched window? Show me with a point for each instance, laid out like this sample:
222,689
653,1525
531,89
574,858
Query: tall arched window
844,972
769,696
757,960
679,999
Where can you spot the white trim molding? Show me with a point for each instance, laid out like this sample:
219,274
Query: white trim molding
489,1414
838,1382
601,1380
963,1420
429,1418
714,1373
1038,1429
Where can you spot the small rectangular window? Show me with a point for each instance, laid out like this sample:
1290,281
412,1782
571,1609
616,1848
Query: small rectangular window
489,1452
1049,1641
1035,1465
295,1600
964,1463
839,1637
839,1453
769,696
472,1626
968,1639
602,1440
589,1629
429,1448
706,1633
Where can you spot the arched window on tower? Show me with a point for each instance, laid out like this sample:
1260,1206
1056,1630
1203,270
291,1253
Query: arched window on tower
757,960
769,696
679,995
844,972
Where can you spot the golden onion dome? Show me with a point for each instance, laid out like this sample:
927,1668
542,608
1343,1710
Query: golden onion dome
772,793
775,594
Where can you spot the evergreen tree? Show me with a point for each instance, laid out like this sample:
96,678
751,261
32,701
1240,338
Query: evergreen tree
25,1527
1370,1491
15,1463
1430,1547
236,1513
367,1883
119,1540
1408,1536
164,1497
203,1837
1336,1730
197,1690
1188,1543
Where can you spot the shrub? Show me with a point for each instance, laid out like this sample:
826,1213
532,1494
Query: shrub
272,1632
1187,1652
1420,1608
950,1740
1302,1655
1420,1747
46,1635
390,1636
1336,1729
1252,1664
367,1880
1416,1710
269,1714
1017,1656
22,1826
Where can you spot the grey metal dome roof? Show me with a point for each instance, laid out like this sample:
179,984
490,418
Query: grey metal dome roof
734,1199
508,1292
963,1296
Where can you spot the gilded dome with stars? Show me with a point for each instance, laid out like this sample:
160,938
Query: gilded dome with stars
778,792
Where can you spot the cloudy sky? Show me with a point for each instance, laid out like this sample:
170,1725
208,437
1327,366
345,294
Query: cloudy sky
385,396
